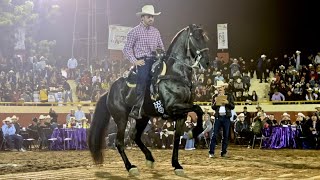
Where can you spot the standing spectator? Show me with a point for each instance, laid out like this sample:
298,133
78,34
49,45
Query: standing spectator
252,67
67,91
298,60
234,67
72,65
261,68
317,59
222,109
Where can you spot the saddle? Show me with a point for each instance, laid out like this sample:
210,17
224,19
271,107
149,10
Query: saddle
158,70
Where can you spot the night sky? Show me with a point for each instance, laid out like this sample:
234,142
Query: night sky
272,27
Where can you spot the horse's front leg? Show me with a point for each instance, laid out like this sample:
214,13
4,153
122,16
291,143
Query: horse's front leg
175,159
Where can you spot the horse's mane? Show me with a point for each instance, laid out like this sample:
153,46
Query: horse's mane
174,40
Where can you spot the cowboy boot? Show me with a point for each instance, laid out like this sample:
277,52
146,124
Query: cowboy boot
137,108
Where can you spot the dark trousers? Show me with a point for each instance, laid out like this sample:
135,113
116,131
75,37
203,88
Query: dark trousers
224,122
144,75
14,141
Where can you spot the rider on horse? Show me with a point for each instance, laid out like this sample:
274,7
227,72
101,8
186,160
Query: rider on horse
142,40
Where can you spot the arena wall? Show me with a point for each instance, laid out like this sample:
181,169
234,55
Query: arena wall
26,113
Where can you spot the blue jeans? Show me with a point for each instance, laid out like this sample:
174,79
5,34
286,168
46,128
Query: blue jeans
144,75
224,122
14,141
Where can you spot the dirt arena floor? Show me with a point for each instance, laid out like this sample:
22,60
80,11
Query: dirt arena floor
242,163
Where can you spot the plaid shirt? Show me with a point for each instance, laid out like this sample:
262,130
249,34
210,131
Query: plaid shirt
141,41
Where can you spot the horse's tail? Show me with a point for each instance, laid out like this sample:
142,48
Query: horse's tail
98,129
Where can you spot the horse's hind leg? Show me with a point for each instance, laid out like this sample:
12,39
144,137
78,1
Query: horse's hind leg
122,124
140,126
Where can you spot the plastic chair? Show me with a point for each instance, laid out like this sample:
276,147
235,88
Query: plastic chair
68,137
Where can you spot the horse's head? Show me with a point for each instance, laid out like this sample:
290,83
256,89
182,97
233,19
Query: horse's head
197,48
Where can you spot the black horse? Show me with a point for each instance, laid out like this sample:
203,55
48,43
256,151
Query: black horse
173,90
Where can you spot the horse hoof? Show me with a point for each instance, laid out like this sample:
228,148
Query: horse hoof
150,164
134,171
179,172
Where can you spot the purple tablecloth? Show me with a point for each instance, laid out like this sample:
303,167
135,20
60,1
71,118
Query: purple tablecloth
282,137
78,138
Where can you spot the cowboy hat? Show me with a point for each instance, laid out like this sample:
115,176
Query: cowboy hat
14,117
8,119
310,89
263,56
286,114
298,52
300,114
220,84
148,9
91,109
241,115
41,117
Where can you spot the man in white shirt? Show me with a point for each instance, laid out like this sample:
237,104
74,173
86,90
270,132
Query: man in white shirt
72,65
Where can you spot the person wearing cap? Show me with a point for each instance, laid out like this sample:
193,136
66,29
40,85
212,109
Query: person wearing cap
273,120
218,77
89,115
261,68
298,60
285,119
242,128
33,129
17,126
9,133
222,104
141,42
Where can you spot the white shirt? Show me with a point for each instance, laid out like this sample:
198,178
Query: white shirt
72,63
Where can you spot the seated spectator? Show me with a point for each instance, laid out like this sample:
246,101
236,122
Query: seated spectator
14,140
218,78
277,96
289,96
255,129
167,135
285,119
310,96
207,126
32,129
242,128
273,120
254,96
238,89
17,126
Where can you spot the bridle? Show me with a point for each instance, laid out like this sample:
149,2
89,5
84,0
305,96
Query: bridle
198,53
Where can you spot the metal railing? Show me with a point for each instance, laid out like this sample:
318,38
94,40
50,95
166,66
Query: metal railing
89,103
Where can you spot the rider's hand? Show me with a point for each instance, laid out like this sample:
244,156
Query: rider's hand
139,62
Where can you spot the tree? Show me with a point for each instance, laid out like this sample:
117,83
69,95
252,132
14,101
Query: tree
17,21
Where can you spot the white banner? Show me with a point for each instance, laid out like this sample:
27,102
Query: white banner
117,37
222,31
